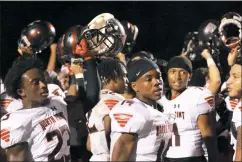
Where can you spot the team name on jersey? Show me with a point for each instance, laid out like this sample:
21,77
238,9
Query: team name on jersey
51,120
179,114
162,129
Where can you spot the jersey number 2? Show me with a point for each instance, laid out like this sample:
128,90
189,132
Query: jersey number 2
58,134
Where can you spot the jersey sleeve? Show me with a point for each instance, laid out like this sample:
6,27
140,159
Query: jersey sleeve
124,119
237,115
14,130
206,102
55,90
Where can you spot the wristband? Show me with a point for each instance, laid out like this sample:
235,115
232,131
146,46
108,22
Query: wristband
210,61
80,75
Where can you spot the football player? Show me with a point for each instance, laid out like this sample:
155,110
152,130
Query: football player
114,81
235,92
39,131
139,131
192,107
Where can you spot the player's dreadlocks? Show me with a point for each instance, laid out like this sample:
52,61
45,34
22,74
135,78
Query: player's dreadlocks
110,69
13,80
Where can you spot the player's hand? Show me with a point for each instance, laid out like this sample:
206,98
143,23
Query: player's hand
121,57
81,49
25,50
76,69
66,69
206,54
232,55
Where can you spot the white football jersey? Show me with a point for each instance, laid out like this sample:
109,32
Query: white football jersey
95,123
187,140
45,129
10,104
236,123
231,103
151,126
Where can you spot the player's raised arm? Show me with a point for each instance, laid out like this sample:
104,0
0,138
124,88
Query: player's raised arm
213,72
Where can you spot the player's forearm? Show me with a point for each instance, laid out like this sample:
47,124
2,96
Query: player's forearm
211,145
88,145
206,123
215,78
17,152
238,151
52,60
122,150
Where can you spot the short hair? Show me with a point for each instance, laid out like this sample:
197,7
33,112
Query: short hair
199,77
110,69
13,80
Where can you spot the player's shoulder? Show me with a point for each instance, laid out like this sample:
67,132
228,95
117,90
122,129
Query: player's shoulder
132,107
108,100
16,127
55,90
197,90
20,118
107,94
9,104
200,92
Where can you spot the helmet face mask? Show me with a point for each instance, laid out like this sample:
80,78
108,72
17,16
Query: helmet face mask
230,29
104,36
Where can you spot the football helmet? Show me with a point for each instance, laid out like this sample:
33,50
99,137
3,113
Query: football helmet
67,43
132,32
191,48
230,29
104,35
37,36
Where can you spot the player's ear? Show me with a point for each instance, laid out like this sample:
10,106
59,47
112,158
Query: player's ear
190,77
21,92
134,86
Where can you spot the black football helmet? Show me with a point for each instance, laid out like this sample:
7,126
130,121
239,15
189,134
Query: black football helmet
104,35
37,36
230,29
191,48
132,32
66,46
208,35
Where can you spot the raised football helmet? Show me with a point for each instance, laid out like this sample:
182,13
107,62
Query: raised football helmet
191,48
67,45
132,32
37,36
230,29
104,35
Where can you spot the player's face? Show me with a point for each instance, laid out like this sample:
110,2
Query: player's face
178,78
122,81
34,87
149,86
234,82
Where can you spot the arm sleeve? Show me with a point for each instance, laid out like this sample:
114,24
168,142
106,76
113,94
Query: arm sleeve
205,103
93,85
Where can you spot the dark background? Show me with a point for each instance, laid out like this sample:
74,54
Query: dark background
162,25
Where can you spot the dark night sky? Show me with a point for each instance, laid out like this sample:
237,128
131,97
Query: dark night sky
162,25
